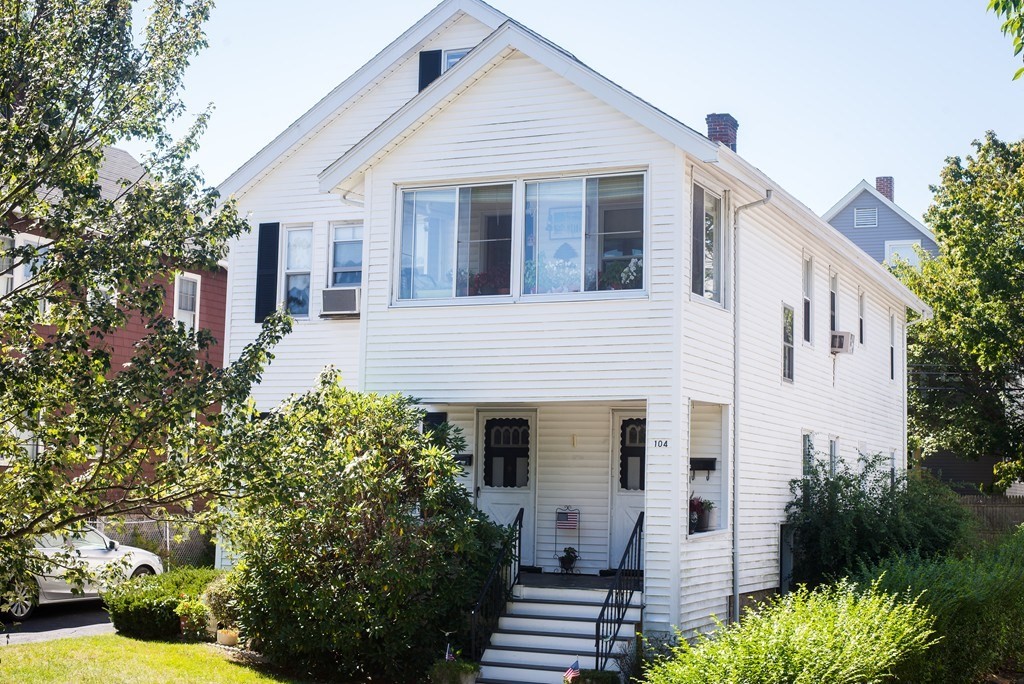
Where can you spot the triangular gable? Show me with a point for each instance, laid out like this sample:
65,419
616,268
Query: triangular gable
511,37
370,73
864,186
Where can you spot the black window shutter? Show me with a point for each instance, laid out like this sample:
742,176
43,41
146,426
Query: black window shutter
430,67
266,270
697,260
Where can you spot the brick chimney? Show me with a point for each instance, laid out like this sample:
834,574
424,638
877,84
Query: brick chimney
722,128
885,185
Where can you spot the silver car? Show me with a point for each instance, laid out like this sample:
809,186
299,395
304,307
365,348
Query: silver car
97,550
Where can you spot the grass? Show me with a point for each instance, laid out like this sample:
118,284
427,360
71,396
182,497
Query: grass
114,659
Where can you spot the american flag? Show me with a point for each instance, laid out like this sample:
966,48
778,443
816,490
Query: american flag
567,520
573,672
448,654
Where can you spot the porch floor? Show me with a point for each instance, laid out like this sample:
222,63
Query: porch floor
558,580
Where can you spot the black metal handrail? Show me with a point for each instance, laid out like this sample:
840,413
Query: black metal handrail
628,579
483,619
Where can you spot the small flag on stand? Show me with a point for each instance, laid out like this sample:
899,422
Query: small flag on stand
567,520
448,654
573,672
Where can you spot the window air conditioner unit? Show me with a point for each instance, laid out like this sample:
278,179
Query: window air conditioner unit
339,302
842,343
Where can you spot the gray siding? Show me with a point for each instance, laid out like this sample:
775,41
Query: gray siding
891,226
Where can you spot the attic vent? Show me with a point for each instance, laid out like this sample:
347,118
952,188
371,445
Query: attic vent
865,217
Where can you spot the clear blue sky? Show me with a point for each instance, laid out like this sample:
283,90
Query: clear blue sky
826,93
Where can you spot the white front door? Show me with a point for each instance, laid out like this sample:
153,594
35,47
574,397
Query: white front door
629,464
507,472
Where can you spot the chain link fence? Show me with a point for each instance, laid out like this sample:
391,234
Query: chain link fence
178,544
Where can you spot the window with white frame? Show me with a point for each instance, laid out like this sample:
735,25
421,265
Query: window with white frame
808,454
865,217
833,302
298,264
451,57
584,234
6,265
346,254
861,309
902,249
578,235
456,242
707,238
32,266
186,300
892,346
808,291
833,455
787,343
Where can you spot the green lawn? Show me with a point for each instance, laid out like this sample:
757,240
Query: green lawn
115,659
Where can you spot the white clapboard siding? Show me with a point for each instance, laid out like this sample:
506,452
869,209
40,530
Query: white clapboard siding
290,194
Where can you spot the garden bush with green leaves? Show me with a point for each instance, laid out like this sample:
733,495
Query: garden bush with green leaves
832,635
977,602
864,514
360,549
146,607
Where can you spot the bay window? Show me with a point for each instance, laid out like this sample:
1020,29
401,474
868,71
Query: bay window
577,235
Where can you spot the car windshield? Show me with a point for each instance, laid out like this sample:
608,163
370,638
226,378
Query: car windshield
87,537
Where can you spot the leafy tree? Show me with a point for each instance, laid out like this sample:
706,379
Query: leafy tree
111,440
360,549
967,396
1012,13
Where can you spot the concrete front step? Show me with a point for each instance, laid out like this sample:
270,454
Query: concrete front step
519,673
582,609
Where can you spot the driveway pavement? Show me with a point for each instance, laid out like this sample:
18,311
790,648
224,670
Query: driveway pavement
85,618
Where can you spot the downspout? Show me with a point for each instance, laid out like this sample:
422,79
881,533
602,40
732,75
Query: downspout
736,401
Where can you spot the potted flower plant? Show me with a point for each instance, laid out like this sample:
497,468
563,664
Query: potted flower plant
567,561
455,671
700,514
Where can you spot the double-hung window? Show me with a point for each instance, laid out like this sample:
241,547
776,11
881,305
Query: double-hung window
298,263
892,347
833,302
6,266
452,57
808,454
707,238
456,242
833,455
808,287
584,234
186,300
861,307
787,343
346,254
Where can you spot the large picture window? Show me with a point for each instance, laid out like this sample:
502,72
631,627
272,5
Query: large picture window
584,234
706,262
456,242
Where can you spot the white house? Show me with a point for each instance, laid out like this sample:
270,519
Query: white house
619,312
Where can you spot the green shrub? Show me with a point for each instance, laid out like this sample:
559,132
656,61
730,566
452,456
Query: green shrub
360,547
144,607
866,514
978,604
219,598
598,677
831,635
451,671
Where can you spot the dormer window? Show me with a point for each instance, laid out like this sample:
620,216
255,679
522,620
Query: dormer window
451,57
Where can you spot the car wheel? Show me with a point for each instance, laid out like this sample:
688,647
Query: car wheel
23,600
142,570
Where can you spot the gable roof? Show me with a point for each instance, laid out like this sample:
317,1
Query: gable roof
510,37
864,186
386,61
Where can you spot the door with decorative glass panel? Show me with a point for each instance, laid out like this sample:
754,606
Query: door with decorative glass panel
506,474
629,463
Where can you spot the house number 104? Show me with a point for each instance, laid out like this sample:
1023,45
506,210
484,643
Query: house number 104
662,443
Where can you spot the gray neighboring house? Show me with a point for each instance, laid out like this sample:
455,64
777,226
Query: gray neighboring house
872,220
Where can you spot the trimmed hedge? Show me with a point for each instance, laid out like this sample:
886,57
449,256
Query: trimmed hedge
831,635
144,607
977,602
